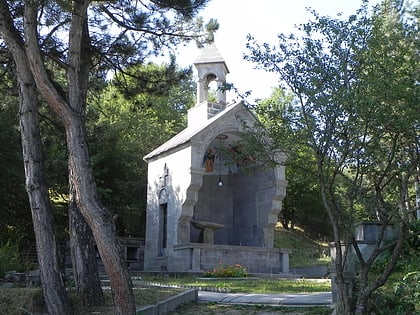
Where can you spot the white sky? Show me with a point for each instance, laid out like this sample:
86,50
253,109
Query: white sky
264,19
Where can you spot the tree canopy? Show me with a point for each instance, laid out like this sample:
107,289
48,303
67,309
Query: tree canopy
61,47
302,205
356,88
125,123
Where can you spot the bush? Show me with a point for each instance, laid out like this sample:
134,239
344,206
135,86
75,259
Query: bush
408,290
401,293
227,271
404,299
9,258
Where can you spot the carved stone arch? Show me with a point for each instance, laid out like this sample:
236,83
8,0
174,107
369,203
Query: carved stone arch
209,77
276,206
280,182
196,177
210,136
187,208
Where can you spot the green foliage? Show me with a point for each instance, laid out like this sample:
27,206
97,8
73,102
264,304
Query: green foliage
408,291
307,250
355,114
401,294
227,271
302,205
13,197
341,116
139,110
10,258
411,249
403,298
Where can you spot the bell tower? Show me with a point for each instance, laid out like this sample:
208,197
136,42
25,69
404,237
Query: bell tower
210,67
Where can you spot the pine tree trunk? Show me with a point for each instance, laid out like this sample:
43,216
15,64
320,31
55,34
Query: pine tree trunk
71,114
99,219
83,256
55,294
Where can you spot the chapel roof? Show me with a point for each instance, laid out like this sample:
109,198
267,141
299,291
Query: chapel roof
208,55
188,133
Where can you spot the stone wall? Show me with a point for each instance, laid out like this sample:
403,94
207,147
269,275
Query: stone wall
243,205
201,257
171,173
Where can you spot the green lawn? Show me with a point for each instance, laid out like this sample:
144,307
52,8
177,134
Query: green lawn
307,252
251,285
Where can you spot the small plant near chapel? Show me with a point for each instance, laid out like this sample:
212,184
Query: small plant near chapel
227,271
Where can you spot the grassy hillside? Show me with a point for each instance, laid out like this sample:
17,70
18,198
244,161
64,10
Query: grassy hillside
306,251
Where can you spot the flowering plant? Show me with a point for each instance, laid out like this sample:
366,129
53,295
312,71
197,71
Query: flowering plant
227,271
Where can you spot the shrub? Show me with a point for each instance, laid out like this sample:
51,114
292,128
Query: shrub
408,290
9,258
400,295
227,271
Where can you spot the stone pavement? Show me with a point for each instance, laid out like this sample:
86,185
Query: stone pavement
309,299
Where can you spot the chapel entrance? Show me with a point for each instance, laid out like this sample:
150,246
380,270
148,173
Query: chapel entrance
235,199
163,229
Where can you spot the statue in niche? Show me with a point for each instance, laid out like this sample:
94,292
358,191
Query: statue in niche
208,160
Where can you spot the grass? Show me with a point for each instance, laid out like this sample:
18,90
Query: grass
306,251
18,301
217,309
251,285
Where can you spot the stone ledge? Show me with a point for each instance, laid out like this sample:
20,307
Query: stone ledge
233,248
168,305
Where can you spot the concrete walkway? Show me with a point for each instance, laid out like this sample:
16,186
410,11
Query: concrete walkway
315,299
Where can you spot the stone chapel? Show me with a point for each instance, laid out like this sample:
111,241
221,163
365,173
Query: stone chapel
203,208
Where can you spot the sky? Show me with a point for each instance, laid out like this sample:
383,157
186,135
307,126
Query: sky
263,19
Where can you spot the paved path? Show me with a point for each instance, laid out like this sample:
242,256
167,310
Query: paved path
324,298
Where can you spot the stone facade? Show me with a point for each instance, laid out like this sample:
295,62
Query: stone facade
201,211
199,257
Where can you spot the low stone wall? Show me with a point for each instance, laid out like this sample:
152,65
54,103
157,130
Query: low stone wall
198,257
168,305
13,279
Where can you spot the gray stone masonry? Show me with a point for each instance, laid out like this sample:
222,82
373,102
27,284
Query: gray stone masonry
196,257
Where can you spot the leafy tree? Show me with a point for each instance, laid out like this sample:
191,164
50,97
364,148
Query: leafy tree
13,197
302,205
127,122
140,30
356,112
12,176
